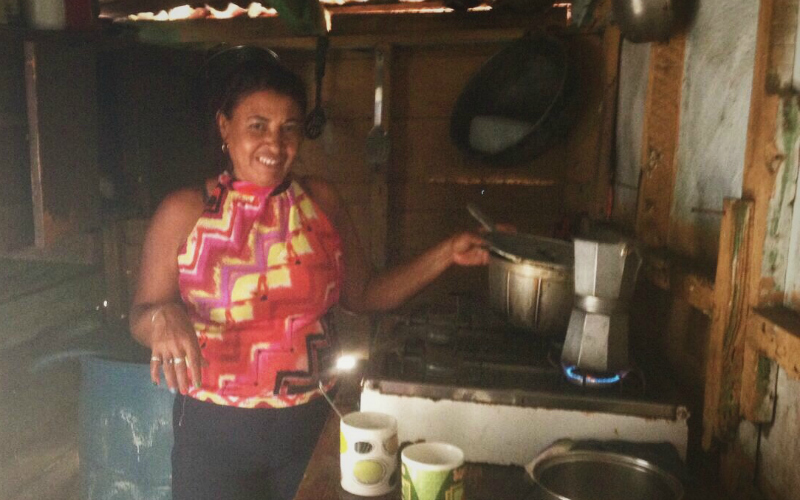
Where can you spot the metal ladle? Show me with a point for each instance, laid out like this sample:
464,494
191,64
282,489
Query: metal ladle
339,368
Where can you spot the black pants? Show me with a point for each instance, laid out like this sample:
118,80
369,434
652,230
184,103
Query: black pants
228,453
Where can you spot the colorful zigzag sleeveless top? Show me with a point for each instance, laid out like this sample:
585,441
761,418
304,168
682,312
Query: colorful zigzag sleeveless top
258,273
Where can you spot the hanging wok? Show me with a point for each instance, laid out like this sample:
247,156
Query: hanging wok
521,101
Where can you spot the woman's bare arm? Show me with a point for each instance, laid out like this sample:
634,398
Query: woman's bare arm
157,317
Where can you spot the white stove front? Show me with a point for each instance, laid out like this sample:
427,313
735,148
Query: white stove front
515,435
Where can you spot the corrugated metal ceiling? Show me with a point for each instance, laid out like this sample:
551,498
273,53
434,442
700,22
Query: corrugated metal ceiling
174,9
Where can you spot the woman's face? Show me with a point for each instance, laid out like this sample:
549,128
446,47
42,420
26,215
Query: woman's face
263,135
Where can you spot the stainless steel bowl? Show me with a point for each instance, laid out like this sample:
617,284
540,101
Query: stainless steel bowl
597,475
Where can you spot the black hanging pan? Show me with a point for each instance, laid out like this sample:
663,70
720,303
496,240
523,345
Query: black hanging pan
521,101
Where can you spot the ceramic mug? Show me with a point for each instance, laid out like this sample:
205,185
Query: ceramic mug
432,471
368,453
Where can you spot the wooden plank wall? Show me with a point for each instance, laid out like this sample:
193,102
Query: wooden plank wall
432,181
429,180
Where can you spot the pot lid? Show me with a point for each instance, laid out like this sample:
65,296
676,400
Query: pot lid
520,247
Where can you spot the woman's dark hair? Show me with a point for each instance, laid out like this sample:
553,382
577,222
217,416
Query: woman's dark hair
257,75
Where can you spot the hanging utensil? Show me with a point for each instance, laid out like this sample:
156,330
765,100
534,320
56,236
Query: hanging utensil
378,144
315,122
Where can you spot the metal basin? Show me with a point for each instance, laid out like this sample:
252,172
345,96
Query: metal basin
597,475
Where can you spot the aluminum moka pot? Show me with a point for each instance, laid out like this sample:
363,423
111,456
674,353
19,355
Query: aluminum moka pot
606,268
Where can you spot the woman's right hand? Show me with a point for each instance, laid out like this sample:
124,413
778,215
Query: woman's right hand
175,349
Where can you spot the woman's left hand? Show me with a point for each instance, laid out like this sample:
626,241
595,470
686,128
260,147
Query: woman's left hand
469,249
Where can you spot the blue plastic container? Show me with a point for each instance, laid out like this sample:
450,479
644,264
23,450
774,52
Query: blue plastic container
125,432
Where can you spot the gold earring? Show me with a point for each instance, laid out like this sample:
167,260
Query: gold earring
224,147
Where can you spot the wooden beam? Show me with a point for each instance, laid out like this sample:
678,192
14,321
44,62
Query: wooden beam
772,331
764,160
726,342
603,184
660,143
775,333
680,277
351,31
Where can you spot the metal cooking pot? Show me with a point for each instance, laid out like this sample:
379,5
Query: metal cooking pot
601,475
530,277
647,20
535,290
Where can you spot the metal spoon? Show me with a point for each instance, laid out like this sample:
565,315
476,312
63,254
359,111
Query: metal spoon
492,237
329,400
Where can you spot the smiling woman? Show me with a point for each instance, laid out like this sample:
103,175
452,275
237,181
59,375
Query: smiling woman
237,281
262,136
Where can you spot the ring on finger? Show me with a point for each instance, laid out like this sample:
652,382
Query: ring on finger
177,361
171,361
155,359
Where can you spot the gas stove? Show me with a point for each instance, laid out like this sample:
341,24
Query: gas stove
458,373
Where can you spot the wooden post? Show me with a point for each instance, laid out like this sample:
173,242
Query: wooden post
726,342
62,119
766,161
660,143
612,44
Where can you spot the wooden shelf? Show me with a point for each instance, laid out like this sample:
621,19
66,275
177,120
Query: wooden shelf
680,277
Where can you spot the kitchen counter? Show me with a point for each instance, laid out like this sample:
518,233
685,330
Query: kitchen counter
321,481
482,481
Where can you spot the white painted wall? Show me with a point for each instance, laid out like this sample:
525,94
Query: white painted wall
718,76
713,130
633,71
786,220
779,451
